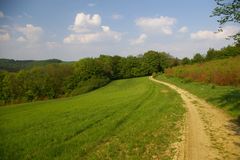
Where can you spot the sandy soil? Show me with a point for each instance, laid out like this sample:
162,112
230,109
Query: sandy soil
209,133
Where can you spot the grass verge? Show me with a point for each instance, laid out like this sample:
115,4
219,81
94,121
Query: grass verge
225,97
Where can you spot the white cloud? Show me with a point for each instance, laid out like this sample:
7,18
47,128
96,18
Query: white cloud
211,35
117,16
21,39
105,28
88,29
91,4
30,33
93,37
85,38
183,29
141,39
52,45
85,22
161,24
1,14
4,37
4,34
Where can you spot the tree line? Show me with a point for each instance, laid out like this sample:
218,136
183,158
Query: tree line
17,65
66,79
212,54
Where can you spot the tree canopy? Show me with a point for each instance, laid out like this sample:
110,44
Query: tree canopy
228,11
65,79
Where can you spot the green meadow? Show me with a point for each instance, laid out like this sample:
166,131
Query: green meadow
127,119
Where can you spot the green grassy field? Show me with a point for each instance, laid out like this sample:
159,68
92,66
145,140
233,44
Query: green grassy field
225,97
127,119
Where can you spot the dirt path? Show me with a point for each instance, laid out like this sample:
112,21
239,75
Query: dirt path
208,132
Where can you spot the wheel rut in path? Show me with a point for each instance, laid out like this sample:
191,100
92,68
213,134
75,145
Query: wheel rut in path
208,133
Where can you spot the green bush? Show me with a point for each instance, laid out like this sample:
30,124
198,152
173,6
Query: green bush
220,72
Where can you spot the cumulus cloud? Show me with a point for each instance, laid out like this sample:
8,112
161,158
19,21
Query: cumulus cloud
85,22
117,16
105,34
21,39
183,29
211,35
1,14
87,29
162,24
30,33
105,28
4,37
86,38
141,39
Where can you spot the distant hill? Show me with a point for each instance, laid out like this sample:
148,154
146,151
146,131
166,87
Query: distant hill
16,65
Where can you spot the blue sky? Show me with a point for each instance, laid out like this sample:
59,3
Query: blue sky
72,29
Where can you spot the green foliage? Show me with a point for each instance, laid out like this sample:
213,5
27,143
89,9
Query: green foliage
212,54
185,60
198,58
228,11
65,79
229,51
220,72
127,119
156,62
34,84
130,67
17,65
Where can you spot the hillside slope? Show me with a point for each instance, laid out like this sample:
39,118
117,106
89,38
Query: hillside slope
127,119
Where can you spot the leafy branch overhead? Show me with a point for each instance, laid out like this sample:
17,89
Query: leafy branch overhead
228,11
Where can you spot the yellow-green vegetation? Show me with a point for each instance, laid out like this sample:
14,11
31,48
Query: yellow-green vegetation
220,72
225,97
127,119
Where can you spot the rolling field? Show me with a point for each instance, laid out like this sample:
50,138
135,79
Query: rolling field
127,119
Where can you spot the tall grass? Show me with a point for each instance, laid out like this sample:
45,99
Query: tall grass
220,72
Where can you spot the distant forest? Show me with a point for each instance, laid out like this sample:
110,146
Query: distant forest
22,81
17,65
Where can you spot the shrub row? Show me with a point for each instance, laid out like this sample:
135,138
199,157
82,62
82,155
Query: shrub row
220,72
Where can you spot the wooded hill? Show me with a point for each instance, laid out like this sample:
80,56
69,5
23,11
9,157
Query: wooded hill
17,65
49,79
65,79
